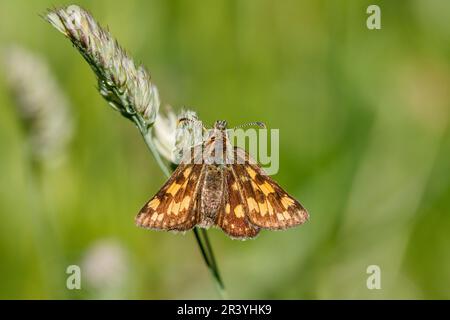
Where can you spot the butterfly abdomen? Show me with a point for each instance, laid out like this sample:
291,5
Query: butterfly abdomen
211,193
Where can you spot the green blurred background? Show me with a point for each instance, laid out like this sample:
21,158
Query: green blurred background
365,146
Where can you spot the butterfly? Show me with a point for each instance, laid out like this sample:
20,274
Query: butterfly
221,186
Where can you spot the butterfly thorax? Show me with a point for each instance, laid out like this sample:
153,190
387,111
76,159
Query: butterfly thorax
217,147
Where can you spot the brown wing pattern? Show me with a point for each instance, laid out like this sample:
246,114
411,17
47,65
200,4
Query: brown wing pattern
232,217
174,206
270,207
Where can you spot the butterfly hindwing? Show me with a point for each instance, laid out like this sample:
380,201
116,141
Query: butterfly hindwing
174,206
270,207
232,217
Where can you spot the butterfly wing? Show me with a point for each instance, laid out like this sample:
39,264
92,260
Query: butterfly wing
174,207
232,217
269,206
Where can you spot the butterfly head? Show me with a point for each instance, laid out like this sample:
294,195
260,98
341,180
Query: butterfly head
220,125
218,132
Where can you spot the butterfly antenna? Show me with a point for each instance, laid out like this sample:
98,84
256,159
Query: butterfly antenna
181,120
256,123
194,121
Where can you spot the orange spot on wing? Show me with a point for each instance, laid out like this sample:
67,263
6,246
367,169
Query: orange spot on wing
154,204
286,201
251,172
267,188
252,204
239,211
185,203
173,188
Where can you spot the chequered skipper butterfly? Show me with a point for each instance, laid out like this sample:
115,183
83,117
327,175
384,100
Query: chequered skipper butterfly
226,188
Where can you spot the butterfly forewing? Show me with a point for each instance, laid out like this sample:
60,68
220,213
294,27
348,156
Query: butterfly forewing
232,217
174,206
270,207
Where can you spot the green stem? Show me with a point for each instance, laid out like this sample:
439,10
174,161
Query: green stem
208,255
204,244
151,145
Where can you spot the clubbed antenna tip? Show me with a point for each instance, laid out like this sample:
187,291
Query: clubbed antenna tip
256,123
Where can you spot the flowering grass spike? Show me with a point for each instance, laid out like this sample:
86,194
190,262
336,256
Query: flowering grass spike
124,85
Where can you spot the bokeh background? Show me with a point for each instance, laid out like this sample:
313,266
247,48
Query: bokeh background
364,145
